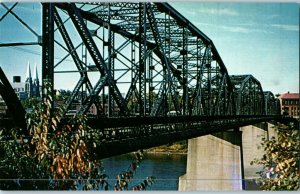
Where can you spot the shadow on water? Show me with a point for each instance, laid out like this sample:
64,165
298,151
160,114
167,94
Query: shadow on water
167,168
252,186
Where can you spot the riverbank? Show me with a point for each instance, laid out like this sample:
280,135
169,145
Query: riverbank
166,153
175,148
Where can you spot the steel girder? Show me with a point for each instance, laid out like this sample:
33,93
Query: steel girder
168,79
152,54
48,45
166,63
163,61
200,62
83,74
106,77
14,106
250,99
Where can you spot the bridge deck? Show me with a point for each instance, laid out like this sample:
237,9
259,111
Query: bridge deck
139,134
115,136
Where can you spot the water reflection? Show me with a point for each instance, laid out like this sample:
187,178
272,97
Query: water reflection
165,167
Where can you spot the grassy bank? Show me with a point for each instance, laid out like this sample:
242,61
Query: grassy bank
177,147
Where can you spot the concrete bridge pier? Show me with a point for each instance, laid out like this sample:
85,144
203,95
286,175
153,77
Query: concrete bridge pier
221,162
213,163
252,136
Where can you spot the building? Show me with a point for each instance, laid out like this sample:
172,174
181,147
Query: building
28,81
24,90
19,87
3,107
35,83
29,88
32,84
289,103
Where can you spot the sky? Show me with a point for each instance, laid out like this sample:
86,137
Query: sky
261,39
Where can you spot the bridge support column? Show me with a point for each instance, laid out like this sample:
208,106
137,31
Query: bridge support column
213,163
251,140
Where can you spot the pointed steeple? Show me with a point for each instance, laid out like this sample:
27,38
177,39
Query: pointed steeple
28,73
36,82
35,73
28,81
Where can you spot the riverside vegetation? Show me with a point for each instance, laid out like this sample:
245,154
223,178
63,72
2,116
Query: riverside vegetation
50,155
174,148
281,160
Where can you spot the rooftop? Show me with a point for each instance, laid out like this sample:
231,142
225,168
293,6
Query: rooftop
289,96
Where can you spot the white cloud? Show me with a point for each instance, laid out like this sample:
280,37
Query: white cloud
214,11
236,29
241,28
287,27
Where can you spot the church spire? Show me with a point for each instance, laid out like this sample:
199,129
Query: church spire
28,81
28,73
36,82
35,73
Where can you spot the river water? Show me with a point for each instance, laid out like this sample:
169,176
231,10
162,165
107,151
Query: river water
167,168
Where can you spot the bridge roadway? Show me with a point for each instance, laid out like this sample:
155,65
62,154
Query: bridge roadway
122,135
116,136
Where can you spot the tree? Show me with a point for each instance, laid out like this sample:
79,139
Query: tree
30,102
48,150
281,160
55,155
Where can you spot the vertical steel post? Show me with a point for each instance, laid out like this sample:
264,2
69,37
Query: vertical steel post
184,74
134,71
197,107
144,62
110,45
104,100
200,84
48,46
167,34
209,80
112,67
151,88
142,57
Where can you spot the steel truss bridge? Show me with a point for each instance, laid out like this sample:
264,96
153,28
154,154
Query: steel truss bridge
159,78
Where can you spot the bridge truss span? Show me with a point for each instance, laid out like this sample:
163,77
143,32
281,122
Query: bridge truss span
151,76
151,53
272,104
249,95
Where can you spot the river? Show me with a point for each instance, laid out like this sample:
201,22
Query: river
167,168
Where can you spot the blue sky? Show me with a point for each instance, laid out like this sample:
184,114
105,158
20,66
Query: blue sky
261,39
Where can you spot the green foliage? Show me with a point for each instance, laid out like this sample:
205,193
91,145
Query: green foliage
30,102
281,160
133,104
56,154
53,155
176,147
14,162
